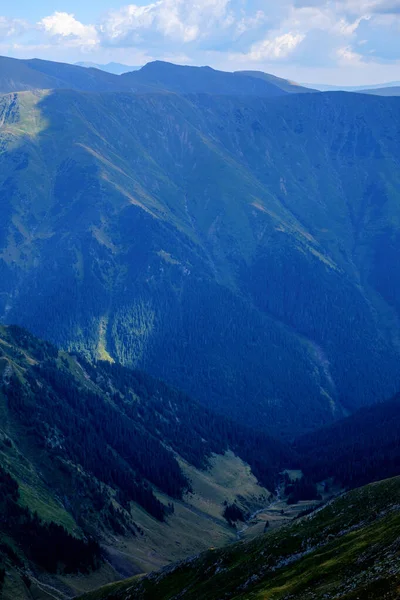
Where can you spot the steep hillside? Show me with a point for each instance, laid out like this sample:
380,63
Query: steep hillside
244,250
364,447
347,550
98,454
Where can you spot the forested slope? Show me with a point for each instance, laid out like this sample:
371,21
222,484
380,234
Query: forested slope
244,250
364,447
95,459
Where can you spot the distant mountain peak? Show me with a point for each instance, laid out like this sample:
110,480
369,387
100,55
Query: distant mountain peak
111,67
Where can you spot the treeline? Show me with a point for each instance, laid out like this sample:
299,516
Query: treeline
193,431
48,545
124,427
233,513
92,432
355,451
300,489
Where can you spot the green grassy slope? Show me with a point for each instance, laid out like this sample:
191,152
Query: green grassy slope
347,550
242,249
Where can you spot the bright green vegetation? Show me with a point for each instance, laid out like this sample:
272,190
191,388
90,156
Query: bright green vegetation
347,550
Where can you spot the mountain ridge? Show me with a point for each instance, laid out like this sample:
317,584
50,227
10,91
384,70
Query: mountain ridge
30,74
256,227
111,67
285,84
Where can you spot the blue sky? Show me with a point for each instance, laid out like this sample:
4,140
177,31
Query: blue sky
344,42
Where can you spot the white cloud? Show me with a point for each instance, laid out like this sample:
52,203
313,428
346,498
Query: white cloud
325,18
346,28
302,24
274,48
354,7
64,26
248,23
12,27
348,57
179,20
371,6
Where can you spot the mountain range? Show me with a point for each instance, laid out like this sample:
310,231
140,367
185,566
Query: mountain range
212,261
31,74
377,87
22,75
111,67
241,248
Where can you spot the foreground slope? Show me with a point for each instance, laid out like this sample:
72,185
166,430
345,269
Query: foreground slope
348,550
243,249
125,472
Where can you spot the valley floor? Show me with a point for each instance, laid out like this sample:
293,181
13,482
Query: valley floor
348,550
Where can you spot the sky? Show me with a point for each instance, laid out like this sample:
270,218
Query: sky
346,42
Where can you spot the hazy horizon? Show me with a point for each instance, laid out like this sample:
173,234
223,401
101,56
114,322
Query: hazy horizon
282,75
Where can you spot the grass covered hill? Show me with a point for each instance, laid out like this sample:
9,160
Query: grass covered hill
346,551
244,250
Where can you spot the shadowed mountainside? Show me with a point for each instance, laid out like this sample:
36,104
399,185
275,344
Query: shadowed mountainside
242,249
364,447
106,471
